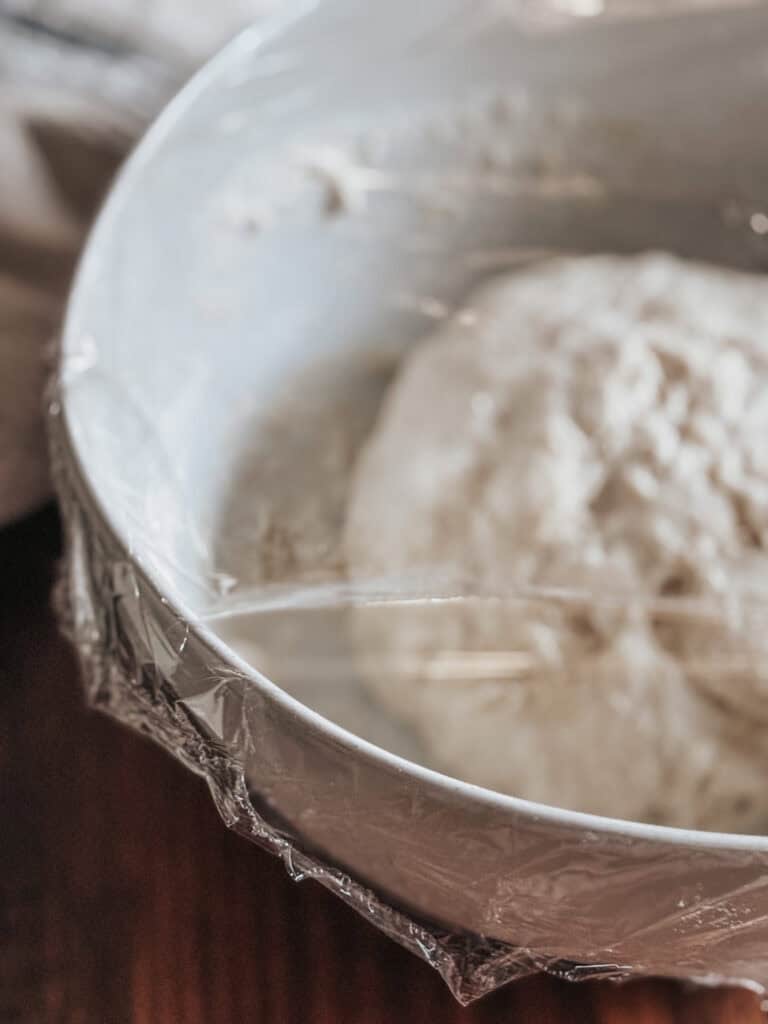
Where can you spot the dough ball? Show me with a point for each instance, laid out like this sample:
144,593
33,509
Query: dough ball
594,429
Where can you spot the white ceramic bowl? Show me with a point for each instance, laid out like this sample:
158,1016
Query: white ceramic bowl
238,247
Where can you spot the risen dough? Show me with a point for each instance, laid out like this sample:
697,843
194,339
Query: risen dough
597,426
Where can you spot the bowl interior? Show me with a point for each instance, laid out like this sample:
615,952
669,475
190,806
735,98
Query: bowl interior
304,213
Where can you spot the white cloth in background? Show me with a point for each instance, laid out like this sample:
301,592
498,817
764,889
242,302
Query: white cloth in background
173,30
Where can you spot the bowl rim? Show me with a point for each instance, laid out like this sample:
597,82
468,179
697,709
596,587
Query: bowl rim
156,137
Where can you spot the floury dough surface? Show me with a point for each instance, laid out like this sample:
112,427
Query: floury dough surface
598,425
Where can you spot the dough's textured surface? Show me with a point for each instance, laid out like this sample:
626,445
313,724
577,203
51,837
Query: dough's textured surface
597,425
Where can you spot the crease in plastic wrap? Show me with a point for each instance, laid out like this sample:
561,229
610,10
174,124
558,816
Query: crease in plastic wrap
206,431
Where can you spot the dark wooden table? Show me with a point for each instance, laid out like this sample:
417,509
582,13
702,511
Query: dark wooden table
124,898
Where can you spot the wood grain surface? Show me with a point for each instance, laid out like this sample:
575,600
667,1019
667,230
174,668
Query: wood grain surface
124,899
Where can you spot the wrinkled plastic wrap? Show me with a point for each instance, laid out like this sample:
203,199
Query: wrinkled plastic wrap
288,230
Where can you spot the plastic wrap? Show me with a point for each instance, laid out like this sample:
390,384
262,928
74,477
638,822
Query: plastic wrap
313,203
